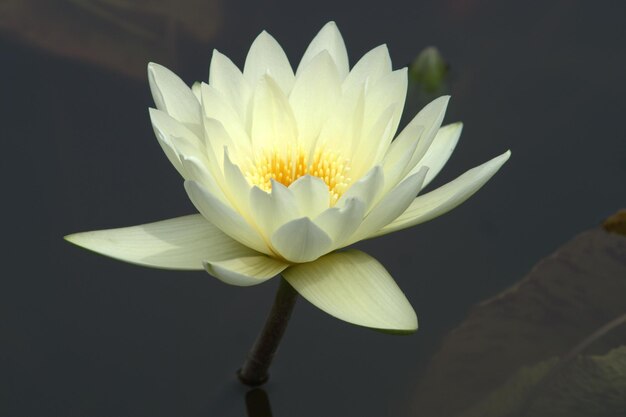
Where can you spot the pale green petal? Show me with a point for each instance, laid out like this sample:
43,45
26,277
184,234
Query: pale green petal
246,271
447,197
328,39
391,205
311,195
354,287
440,151
224,217
273,123
172,95
371,67
389,90
266,57
228,79
341,222
180,243
301,240
314,96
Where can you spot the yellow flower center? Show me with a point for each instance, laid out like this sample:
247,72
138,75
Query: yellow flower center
287,166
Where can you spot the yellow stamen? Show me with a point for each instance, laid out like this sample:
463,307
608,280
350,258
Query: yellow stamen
286,166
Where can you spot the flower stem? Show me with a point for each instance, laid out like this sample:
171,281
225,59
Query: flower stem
254,369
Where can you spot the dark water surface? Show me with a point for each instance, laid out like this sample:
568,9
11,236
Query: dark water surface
83,335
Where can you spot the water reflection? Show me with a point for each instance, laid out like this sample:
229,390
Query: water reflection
258,403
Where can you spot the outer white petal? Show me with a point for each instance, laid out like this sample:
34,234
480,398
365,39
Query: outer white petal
314,96
396,171
354,287
180,243
341,222
301,240
272,210
266,57
273,122
422,128
447,197
328,39
367,189
371,67
196,170
440,150
238,188
195,89
343,128
215,106
311,195
228,79
245,271
373,144
224,217
172,95
391,206
389,90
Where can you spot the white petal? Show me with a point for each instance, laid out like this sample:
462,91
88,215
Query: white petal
314,96
266,57
180,243
328,39
228,79
195,89
366,189
391,206
224,217
447,197
172,95
215,106
246,271
371,67
273,122
439,151
301,240
373,144
311,195
422,128
397,170
197,170
354,287
272,210
341,222
389,90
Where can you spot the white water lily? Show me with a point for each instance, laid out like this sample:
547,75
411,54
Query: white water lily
286,168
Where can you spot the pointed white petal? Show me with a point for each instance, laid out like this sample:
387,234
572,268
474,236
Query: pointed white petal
423,127
224,217
389,90
196,170
447,197
311,195
397,170
391,206
215,106
314,96
180,243
272,210
371,67
439,151
195,89
301,240
374,141
172,95
246,271
341,222
367,189
225,77
273,122
238,188
328,39
266,57
354,287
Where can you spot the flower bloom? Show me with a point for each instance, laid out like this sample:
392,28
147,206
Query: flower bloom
285,168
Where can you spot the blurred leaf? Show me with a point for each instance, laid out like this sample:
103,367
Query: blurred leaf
565,298
588,386
123,35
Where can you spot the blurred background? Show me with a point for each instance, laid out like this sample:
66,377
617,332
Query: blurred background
83,335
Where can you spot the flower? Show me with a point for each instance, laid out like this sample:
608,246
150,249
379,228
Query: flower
285,169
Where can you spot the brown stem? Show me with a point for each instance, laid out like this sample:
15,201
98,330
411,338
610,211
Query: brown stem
254,369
